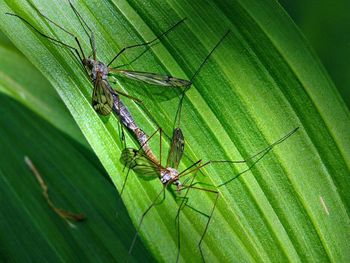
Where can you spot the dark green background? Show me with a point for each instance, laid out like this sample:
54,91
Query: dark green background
326,26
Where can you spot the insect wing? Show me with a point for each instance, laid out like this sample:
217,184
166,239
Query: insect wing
102,99
153,78
139,163
177,149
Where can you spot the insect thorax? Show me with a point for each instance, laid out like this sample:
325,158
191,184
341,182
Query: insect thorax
170,175
94,67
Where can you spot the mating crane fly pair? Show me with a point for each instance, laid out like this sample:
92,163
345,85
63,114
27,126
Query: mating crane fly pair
143,161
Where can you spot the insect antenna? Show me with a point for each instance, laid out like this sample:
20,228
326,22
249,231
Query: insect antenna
146,43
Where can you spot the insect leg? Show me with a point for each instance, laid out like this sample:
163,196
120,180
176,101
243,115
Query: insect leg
246,170
178,112
207,225
144,44
121,128
129,96
262,153
208,56
123,187
177,220
55,41
143,216
130,167
86,28
217,194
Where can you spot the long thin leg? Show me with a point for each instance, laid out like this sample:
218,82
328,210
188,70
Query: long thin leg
143,216
133,60
177,220
136,100
207,225
129,167
178,112
246,170
264,152
63,29
177,226
122,190
142,147
121,127
116,110
191,186
208,56
160,146
55,41
193,208
144,44
86,28
189,171
81,20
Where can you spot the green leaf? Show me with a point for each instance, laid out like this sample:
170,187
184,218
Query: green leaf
261,82
30,230
20,80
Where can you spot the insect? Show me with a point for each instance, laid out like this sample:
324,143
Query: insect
104,98
146,165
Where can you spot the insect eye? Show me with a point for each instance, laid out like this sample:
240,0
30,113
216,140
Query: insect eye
87,63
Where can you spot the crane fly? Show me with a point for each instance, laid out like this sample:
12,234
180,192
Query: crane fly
104,98
143,138
147,166
145,163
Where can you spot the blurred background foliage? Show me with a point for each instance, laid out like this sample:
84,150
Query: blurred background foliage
326,26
